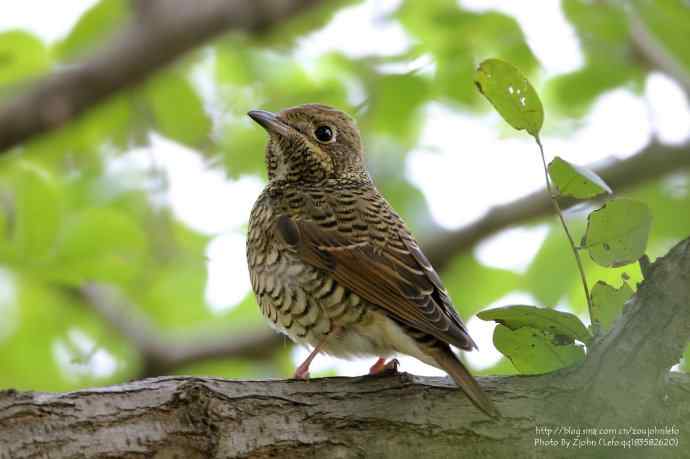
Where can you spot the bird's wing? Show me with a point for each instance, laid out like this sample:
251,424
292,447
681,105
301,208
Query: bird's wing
395,276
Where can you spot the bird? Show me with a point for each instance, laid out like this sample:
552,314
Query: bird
331,263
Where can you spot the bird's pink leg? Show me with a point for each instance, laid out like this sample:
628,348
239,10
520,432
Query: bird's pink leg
302,371
382,367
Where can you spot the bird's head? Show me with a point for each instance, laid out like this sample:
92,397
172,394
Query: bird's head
311,143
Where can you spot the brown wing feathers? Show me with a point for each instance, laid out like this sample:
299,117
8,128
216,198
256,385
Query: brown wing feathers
402,282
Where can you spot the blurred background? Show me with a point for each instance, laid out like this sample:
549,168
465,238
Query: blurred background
122,234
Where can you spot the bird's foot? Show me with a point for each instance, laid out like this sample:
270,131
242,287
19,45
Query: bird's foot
302,372
381,367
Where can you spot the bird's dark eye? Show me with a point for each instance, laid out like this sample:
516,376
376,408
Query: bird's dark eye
323,133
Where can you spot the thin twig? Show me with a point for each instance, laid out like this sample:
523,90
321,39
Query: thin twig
557,208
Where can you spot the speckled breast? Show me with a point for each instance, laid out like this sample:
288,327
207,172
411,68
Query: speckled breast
299,300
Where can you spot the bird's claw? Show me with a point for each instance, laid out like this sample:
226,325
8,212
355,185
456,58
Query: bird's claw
383,368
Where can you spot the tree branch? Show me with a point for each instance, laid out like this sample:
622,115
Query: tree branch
397,417
623,383
654,161
167,30
161,354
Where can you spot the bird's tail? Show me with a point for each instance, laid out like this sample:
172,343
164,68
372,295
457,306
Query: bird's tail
447,360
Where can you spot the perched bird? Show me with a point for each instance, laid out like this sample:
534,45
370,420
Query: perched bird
331,263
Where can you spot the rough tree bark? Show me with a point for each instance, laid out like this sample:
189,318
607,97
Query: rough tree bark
624,383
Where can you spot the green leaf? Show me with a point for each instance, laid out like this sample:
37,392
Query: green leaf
243,146
533,352
286,33
246,315
178,109
575,91
511,94
404,196
5,217
457,38
556,323
38,204
504,367
489,284
395,105
607,304
613,276
669,24
96,24
669,203
576,181
617,233
175,298
27,358
102,245
232,63
82,139
22,55
44,317
602,29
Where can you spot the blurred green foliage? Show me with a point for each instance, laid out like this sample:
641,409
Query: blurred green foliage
65,218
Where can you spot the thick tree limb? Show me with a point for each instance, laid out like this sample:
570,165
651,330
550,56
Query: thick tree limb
162,353
623,383
396,417
168,29
654,161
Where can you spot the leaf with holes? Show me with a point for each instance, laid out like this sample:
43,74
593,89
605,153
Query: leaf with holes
617,233
576,181
533,351
557,323
511,94
607,304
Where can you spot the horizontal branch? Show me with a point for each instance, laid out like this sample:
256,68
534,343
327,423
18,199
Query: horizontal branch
168,29
654,161
399,416
624,383
162,353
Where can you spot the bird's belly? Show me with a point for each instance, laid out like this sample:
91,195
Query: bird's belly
350,329
303,302
376,335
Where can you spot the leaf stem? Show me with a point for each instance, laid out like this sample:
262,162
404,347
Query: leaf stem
557,208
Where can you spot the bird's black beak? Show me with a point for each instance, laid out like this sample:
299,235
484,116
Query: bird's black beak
270,122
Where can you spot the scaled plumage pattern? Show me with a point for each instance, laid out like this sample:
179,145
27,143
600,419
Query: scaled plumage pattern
332,265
